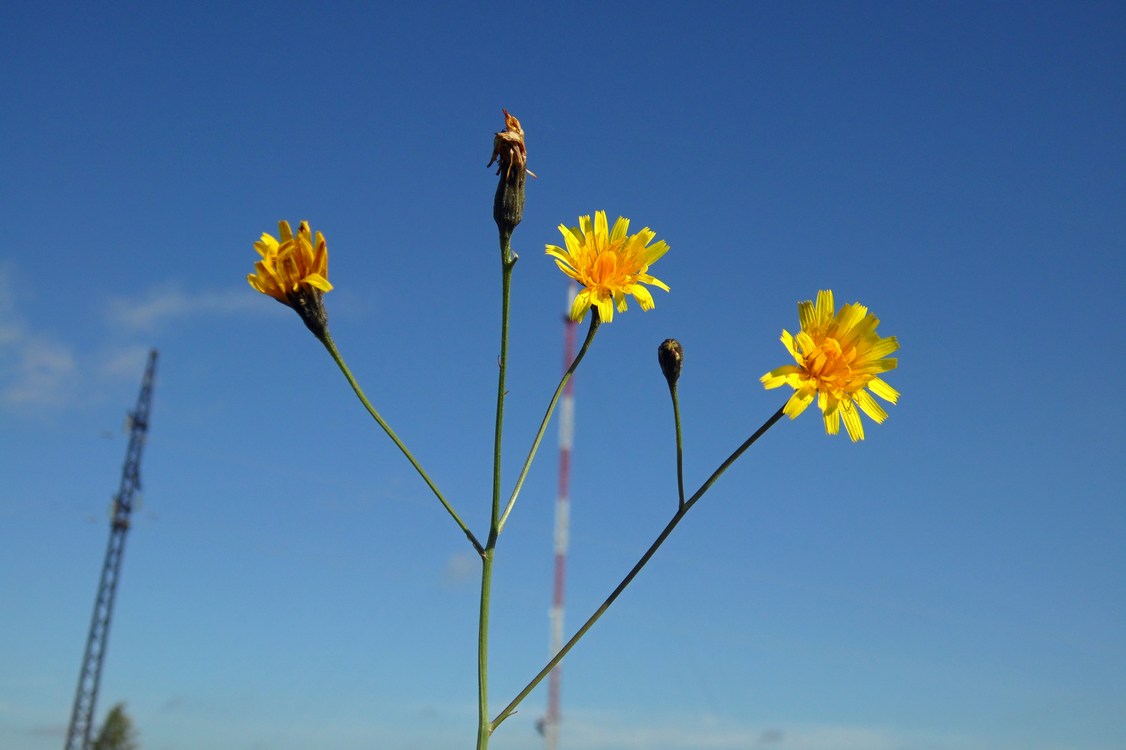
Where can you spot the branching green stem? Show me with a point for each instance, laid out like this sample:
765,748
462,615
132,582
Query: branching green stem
594,323
330,345
681,511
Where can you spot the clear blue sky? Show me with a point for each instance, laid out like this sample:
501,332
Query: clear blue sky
956,582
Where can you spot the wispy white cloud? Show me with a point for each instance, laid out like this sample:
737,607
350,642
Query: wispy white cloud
39,370
605,732
35,370
166,303
461,567
126,363
599,731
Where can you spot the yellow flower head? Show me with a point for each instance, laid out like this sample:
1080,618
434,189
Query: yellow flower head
294,271
290,263
838,356
608,264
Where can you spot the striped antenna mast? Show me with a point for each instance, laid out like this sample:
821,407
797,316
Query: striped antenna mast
562,524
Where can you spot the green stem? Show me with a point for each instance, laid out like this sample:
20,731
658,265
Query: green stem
507,262
681,512
330,345
594,323
679,443
734,457
484,727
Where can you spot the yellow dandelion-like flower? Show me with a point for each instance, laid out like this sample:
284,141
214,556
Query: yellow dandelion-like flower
838,356
609,264
294,271
290,263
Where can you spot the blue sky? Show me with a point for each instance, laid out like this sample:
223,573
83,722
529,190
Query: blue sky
956,582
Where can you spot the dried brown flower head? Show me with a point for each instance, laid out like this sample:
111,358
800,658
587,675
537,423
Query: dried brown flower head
509,149
511,156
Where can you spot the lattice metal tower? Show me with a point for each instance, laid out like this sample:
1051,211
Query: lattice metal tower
82,717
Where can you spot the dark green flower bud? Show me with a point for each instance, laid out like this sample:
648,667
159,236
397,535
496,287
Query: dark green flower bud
671,356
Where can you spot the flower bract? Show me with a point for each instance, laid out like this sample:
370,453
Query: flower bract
609,264
838,356
291,264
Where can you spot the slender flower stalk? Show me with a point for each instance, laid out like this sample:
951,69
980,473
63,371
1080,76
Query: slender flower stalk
594,323
293,269
681,512
679,448
609,265
484,727
670,355
330,345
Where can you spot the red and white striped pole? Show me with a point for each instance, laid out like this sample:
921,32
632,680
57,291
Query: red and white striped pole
562,525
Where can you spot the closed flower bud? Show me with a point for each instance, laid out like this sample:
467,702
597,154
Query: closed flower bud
671,356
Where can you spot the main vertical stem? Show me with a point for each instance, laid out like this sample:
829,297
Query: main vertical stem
484,726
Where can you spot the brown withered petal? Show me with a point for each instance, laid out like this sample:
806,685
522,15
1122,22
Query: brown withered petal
511,156
509,149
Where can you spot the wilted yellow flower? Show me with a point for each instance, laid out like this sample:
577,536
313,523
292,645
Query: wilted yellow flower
294,271
608,264
838,356
290,263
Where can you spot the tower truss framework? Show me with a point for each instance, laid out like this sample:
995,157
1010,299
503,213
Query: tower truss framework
89,677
